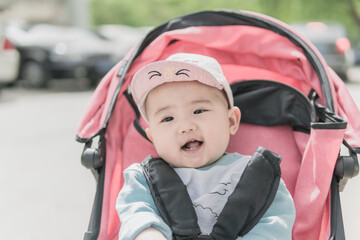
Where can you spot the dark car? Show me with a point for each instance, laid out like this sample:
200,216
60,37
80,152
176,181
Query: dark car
49,51
330,38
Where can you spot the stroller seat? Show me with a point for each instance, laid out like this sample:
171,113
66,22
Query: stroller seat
285,130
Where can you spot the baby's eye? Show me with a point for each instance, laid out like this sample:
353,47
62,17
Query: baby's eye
199,111
167,119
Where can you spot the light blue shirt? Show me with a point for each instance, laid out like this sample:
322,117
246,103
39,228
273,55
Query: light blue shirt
137,210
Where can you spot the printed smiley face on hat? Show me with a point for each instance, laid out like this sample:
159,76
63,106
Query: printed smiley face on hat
169,73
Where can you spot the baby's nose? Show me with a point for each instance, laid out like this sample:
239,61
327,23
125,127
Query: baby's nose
187,127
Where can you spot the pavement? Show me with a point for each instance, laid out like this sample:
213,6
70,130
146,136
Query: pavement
45,191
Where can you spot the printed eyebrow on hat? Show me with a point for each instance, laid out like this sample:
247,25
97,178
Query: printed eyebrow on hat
181,72
154,74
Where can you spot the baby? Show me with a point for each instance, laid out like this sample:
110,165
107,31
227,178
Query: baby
188,105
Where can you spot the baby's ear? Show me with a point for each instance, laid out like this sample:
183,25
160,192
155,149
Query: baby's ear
148,134
234,119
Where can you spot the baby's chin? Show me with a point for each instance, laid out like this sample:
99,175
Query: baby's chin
192,163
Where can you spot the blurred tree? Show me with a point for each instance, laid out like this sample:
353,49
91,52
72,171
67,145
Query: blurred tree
354,12
155,12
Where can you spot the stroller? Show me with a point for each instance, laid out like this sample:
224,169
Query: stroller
291,102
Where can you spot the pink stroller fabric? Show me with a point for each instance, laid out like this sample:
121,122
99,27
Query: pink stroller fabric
245,53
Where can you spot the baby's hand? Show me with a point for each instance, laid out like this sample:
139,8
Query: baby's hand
150,234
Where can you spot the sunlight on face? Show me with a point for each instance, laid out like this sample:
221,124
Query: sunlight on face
190,123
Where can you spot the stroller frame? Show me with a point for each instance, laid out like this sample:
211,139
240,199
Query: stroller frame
94,157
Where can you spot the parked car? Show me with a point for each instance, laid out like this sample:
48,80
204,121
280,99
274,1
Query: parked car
330,38
9,60
49,51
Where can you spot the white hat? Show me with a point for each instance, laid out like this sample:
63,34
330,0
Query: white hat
179,67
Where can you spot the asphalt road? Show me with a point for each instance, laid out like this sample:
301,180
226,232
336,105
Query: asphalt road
45,192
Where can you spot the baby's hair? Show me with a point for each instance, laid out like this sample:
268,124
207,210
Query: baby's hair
227,99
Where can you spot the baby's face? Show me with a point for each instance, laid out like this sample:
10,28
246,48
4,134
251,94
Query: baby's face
190,123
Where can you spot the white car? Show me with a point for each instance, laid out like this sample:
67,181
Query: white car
125,37
9,61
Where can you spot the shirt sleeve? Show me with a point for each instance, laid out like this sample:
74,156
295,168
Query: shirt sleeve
136,208
278,220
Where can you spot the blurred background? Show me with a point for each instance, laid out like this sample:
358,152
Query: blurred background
52,55
43,40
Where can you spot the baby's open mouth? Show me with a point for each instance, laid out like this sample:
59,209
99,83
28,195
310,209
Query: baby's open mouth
192,145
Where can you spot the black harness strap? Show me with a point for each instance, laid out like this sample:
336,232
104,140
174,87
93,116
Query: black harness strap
171,198
251,198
